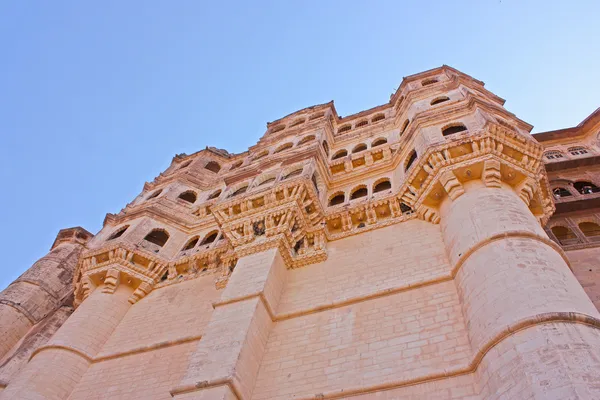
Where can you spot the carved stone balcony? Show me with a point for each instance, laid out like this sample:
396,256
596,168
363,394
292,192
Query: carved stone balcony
287,216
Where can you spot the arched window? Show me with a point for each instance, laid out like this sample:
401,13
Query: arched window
430,81
185,164
359,147
213,167
377,118
577,151
276,129
211,237
191,243
239,191
118,233
306,139
283,147
293,173
439,100
344,128
339,198
410,160
404,126
585,187
561,192
379,142
563,234
298,122
155,194
267,181
589,229
358,193
453,128
340,154
188,196
214,195
362,123
261,155
326,148
382,186
552,155
158,236
236,165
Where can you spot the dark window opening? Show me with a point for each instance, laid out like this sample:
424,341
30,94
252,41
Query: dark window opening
267,181
337,199
381,186
293,173
306,139
158,236
188,196
439,100
211,237
340,154
344,128
213,167
284,147
379,142
239,191
378,117
404,126
326,148
362,192
155,194
191,244
584,187
118,233
214,195
411,159
590,229
451,130
563,234
360,147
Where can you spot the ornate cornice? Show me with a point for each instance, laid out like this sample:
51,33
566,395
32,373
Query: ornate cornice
287,216
494,154
121,263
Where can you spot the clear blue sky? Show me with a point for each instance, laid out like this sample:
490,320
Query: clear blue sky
97,97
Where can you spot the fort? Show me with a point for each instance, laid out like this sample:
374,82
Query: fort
429,247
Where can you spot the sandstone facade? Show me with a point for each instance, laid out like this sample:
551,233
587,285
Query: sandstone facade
426,248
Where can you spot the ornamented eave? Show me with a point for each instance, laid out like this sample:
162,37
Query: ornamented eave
144,270
502,155
428,181
287,216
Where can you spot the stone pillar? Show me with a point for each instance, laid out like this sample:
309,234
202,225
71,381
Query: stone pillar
57,367
226,362
529,320
41,289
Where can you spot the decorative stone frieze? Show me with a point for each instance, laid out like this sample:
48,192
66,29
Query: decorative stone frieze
287,216
494,154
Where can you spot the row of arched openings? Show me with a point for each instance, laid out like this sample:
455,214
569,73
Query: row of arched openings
358,148
566,235
361,123
360,191
574,151
285,146
582,187
296,122
245,187
160,237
